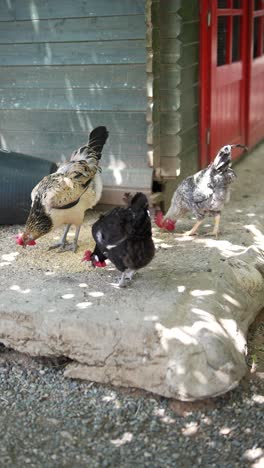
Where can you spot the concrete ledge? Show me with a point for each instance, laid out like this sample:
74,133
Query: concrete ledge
179,330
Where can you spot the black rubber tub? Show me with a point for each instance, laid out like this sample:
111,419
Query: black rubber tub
19,173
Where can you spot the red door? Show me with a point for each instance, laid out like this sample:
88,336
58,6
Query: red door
256,73
223,75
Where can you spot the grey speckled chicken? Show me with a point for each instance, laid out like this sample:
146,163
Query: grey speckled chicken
123,235
203,194
64,196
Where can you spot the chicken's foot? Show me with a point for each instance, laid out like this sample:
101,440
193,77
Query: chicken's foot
64,245
126,275
194,229
122,280
62,242
215,231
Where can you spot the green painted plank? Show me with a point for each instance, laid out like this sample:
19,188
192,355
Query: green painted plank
189,138
174,122
73,121
170,145
76,76
172,76
189,55
70,30
74,99
170,100
170,123
190,32
71,53
60,145
170,50
40,9
170,24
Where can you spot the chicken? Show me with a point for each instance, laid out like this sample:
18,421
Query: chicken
123,235
64,196
204,194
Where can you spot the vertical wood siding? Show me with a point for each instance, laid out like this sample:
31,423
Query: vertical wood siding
67,66
179,58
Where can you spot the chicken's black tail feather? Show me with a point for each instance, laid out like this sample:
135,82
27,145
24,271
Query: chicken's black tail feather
93,149
97,139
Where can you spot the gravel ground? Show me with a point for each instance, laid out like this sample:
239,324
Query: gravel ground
47,420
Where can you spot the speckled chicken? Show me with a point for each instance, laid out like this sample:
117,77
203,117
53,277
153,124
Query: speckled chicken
123,235
203,194
64,196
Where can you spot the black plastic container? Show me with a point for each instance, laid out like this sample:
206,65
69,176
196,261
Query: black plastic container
19,173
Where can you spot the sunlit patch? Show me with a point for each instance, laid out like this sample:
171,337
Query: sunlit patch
231,300
108,398
151,318
96,294
166,246
226,248
200,377
126,437
258,399
253,454
156,240
117,166
83,285
190,429
200,292
17,288
181,289
49,273
226,430
175,333
67,296
10,257
239,211
84,305
251,215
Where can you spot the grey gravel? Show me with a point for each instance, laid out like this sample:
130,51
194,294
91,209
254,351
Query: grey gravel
47,420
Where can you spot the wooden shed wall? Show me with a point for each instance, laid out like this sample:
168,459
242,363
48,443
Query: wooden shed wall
67,66
178,24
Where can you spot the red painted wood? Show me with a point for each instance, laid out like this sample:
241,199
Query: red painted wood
232,94
204,72
227,119
256,81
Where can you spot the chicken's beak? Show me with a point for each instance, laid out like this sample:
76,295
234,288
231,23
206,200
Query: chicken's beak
240,146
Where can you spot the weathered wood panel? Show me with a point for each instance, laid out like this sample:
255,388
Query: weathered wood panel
48,9
69,30
60,145
69,99
179,56
73,121
76,76
73,53
68,66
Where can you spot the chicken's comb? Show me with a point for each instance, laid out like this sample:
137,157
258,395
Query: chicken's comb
88,258
159,219
20,241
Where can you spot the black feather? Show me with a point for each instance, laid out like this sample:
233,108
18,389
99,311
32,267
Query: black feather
124,235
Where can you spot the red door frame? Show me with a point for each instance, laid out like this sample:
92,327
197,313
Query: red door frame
255,67
205,71
205,79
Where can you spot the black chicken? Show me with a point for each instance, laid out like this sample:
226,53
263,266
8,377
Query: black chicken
123,235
